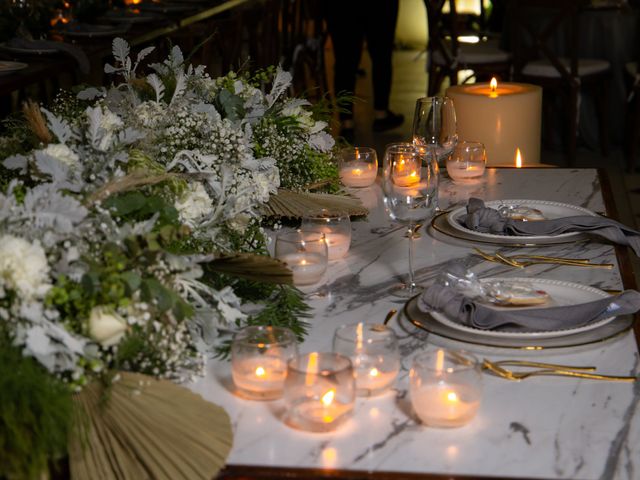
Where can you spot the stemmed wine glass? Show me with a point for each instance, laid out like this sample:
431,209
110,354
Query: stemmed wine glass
410,186
434,125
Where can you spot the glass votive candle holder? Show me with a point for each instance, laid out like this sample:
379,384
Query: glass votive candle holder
305,253
259,356
373,350
336,227
319,392
467,163
358,166
445,387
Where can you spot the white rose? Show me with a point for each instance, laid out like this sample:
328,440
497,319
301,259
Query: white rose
106,327
24,267
62,153
194,204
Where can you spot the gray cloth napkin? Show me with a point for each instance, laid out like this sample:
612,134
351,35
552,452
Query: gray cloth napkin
71,50
488,220
458,308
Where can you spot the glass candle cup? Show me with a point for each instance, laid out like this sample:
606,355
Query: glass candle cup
358,166
305,253
336,227
445,387
467,163
259,357
319,392
373,350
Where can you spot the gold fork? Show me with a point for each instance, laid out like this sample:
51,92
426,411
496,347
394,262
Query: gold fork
549,370
538,260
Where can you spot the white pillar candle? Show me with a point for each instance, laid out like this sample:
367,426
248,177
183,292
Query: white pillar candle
504,119
358,174
307,267
464,170
445,405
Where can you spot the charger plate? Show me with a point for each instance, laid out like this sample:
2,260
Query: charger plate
551,210
7,67
601,333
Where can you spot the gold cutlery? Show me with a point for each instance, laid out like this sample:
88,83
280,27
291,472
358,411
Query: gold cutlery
522,261
549,369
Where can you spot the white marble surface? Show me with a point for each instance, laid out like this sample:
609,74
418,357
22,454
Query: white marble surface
544,427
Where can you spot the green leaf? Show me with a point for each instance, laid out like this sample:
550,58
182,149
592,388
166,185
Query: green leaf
231,104
154,291
125,203
132,280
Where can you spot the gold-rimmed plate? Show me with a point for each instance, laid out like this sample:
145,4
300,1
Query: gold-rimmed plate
7,67
428,323
550,210
441,224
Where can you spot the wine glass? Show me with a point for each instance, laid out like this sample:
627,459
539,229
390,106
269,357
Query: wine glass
434,125
410,186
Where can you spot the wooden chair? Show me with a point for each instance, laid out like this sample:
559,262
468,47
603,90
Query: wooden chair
447,55
538,28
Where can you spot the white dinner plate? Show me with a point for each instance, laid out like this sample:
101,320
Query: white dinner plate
560,293
7,67
551,210
92,31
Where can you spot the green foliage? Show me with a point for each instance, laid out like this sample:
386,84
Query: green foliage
230,105
136,206
36,414
285,308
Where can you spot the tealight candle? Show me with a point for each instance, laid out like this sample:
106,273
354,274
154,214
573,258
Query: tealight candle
406,171
503,117
336,227
373,350
259,357
304,253
358,166
445,388
467,163
319,391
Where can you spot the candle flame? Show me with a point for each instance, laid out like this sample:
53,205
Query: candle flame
312,368
493,85
439,361
356,171
359,336
452,397
518,158
327,398
132,2
374,372
303,262
260,372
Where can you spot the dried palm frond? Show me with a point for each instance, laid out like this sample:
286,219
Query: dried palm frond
290,204
253,267
143,428
128,182
36,121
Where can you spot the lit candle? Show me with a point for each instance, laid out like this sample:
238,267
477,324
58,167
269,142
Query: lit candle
370,377
337,244
445,405
259,356
503,117
518,158
261,375
358,174
406,172
319,391
307,267
445,390
461,171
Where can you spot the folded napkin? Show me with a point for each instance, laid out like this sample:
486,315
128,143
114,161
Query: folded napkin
71,50
458,308
489,220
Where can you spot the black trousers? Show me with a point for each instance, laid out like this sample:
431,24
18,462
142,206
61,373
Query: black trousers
350,23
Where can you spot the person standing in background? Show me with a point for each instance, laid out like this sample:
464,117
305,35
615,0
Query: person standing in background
350,23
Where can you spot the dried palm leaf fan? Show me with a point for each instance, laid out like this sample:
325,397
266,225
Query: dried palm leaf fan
143,428
290,204
253,267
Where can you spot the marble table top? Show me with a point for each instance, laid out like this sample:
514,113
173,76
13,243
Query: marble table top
545,427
